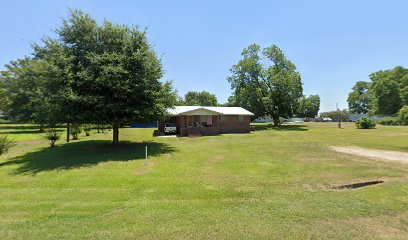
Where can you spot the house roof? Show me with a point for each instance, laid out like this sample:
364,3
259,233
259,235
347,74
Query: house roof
184,110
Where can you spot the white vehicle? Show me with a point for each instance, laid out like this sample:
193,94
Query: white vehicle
170,128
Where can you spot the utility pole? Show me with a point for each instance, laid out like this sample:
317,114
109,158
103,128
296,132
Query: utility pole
338,111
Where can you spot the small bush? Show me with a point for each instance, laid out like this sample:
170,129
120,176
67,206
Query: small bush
5,144
53,135
75,131
403,115
87,129
389,121
4,121
365,123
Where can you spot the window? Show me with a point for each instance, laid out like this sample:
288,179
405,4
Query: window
203,119
240,118
223,118
206,120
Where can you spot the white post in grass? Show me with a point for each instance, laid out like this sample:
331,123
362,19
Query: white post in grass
146,154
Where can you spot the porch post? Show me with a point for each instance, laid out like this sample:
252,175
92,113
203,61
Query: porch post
219,120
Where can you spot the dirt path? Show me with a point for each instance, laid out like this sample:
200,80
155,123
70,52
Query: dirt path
372,153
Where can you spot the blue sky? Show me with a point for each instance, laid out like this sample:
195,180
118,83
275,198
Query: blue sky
333,43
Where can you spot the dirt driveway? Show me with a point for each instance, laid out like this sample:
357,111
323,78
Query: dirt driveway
373,153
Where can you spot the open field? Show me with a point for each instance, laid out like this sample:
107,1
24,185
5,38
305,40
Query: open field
272,183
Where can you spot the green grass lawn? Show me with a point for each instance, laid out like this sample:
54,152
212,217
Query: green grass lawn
272,183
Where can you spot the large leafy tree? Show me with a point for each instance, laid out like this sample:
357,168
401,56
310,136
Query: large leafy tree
105,74
202,98
266,82
360,98
24,89
385,94
389,90
4,96
309,106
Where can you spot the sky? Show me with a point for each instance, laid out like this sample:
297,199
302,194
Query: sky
332,43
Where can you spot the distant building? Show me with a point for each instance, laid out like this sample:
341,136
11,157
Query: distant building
355,116
294,120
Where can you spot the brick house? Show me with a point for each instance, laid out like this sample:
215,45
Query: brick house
207,121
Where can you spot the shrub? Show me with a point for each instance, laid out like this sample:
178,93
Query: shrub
403,115
281,120
4,121
389,121
365,123
75,131
5,144
53,135
87,129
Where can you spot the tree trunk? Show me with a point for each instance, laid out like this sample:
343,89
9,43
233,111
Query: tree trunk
41,127
115,135
68,131
276,121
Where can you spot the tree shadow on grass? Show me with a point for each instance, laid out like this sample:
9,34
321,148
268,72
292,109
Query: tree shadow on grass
292,127
26,132
84,154
16,126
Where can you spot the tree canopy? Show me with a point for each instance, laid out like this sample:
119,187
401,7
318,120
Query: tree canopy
96,73
360,98
24,96
202,98
309,106
266,82
384,95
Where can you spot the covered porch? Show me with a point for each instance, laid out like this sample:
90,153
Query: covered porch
196,123
204,125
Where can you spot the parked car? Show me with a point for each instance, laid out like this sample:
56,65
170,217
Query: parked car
170,128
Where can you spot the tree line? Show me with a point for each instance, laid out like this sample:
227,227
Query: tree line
385,94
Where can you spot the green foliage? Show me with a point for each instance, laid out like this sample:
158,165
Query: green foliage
202,98
76,129
4,96
267,85
365,123
360,98
4,121
389,121
403,115
387,95
334,115
384,95
53,136
308,106
5,144
404,95
87,129
104,74
24,85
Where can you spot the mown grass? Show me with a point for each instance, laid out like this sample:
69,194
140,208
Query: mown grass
272,183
